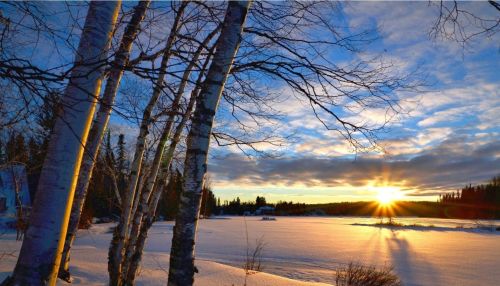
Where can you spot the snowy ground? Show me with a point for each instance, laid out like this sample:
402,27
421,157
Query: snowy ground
301,248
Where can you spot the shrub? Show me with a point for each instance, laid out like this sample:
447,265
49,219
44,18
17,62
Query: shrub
356,274
253,262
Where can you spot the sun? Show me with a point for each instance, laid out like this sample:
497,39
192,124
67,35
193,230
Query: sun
387,195
384,198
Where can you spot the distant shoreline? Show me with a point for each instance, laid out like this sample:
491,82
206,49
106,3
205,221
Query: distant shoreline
422,209
421,227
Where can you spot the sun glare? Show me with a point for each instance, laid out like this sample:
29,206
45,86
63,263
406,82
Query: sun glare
387,195
384,198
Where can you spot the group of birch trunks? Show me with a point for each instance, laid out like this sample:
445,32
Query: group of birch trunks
209,52
79,131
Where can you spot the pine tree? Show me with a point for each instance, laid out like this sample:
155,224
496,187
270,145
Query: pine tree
169,202
109,155
36,153
121,164
208,202
260,202
121,160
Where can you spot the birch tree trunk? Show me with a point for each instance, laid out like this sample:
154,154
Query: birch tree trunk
97,131
148,217
151,180
40,255
120,235
182,269
134,255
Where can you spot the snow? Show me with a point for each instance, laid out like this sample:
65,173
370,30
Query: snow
302,249
90,257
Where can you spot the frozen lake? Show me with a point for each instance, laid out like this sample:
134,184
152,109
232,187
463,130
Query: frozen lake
310,248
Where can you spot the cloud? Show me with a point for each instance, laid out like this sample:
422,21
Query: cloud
447,115
452,164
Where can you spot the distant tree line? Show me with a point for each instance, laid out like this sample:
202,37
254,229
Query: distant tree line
471,202
481,201
237,207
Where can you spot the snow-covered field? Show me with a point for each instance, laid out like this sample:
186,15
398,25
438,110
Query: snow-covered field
302,249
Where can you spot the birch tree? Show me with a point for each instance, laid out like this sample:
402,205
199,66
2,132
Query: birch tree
120,235
182,269
97,131
40,254
145,215
160,148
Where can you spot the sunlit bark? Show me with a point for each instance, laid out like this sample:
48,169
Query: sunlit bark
97,131
40,255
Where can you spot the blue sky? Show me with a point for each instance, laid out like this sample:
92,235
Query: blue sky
447,137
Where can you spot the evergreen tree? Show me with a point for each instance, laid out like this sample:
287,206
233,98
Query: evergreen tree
121,163
100,200
109,155
121,159
168,205
260,202
473,202
208,202
34,166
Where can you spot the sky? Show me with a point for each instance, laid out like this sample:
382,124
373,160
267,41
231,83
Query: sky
447,137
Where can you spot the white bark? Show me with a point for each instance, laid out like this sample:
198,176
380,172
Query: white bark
120,235
181,271
40,255
148,217
97,131
153,174
134,252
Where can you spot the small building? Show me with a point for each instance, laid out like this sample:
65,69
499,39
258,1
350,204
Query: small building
14,192
265,210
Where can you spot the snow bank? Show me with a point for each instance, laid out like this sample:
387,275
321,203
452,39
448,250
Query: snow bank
89,267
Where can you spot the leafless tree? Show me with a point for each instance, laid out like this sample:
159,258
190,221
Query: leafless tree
181,271
458,22
40,254
97,131
121,233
